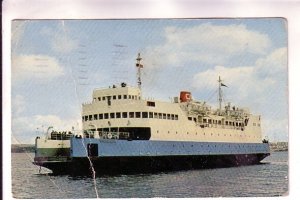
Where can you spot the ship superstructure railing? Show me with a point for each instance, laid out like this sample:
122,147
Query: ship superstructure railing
64,135
107,135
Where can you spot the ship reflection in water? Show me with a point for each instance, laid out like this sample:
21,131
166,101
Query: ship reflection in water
267,179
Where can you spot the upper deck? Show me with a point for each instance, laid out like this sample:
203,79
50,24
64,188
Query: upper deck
116,92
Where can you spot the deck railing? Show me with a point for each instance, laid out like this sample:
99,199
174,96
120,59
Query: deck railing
107,135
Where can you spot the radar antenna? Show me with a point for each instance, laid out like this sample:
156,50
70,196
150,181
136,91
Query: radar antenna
139,66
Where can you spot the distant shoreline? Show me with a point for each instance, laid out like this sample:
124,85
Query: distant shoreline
30,148
22,148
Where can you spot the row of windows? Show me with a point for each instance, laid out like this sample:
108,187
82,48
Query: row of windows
115,97
212,134
130,115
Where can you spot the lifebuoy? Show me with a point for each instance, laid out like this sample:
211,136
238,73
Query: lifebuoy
109,136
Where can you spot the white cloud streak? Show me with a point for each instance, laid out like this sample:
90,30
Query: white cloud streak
40,67
207,43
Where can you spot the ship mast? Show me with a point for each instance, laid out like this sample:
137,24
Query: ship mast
139,66
220,95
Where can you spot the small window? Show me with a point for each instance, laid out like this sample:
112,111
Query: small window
150,114
131,114
90,117
144,114
99,98
254,124
168,116
209,121
95,117
114,97
226,122
195,120
105,115
164,116
204,120
103,98
230,123
155,115
151,103
219,122
176,117
112,115
160,115
124,114
82,118
119,96
190,118
125,96
118,115
86,118
172,116
100,116
137,114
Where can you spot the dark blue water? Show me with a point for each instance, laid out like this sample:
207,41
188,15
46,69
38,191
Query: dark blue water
269,179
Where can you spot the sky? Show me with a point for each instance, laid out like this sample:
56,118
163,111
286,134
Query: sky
56,64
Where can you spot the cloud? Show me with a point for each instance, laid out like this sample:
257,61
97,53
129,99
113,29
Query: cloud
18,28
40,67
267,73
261,87
18,105
275,129
60,39
63,44
26,128
207,43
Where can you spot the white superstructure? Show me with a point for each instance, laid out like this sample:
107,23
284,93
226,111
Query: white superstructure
121,109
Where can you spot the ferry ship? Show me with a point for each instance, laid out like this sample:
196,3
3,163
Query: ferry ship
125,133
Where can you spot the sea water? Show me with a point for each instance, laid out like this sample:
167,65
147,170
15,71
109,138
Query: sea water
263,180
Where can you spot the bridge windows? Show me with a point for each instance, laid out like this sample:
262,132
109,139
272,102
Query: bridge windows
151,103
112,115
144,114
137,114
124,114
131,114
160,115
118,115
150,114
